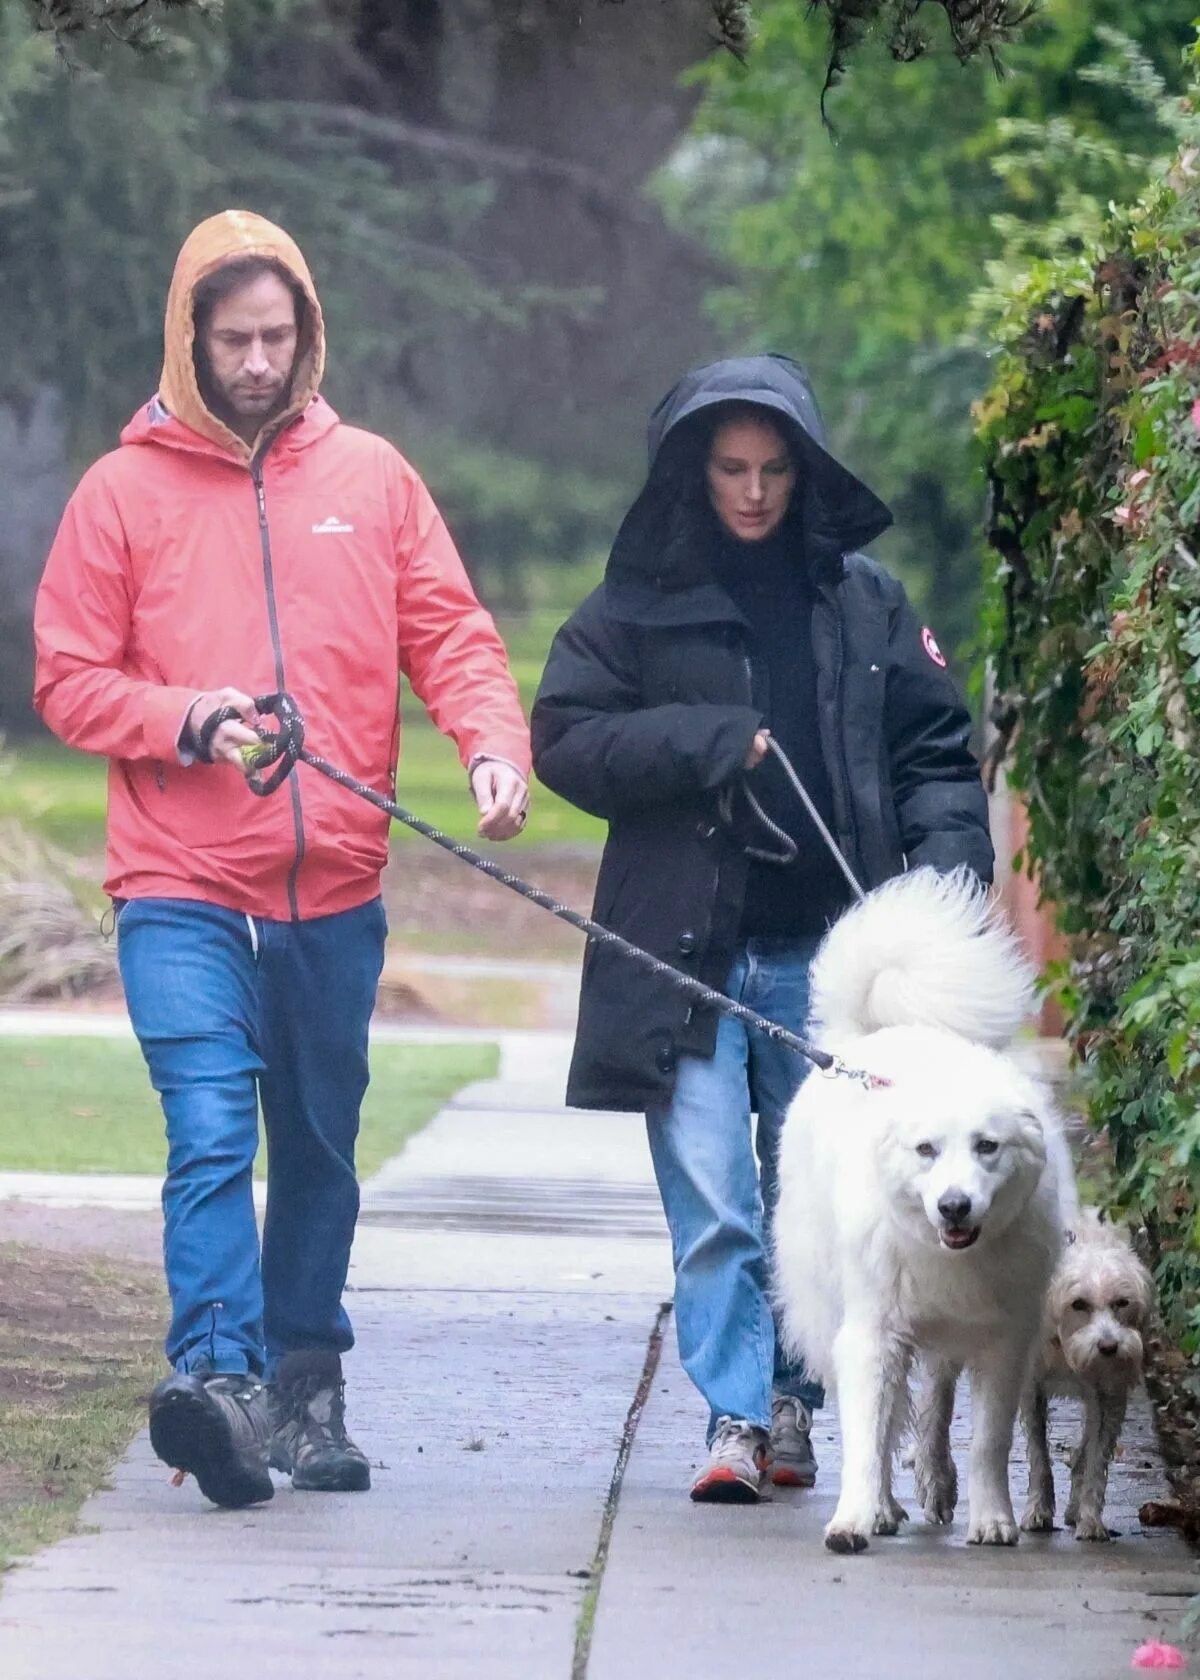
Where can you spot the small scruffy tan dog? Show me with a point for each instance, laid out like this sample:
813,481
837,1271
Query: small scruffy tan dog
1099,1302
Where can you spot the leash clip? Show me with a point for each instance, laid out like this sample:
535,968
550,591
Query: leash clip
838,1069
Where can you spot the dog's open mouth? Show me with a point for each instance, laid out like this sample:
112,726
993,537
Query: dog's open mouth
958,1236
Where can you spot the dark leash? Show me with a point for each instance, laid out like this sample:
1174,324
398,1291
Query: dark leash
284,747
788,850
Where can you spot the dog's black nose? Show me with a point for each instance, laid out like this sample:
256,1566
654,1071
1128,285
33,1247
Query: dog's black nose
954,1207
1107,1348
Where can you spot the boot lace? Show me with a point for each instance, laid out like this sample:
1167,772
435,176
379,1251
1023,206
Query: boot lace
320,1407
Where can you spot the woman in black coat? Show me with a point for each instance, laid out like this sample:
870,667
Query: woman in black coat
735,606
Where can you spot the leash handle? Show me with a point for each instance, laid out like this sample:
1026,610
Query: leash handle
214,720
789,770
282,746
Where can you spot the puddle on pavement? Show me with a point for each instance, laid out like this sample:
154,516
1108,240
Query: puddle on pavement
557,1206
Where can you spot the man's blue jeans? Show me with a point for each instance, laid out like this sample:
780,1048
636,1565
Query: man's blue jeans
228,1009
719,1202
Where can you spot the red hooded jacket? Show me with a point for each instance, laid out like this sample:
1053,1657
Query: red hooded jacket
184,562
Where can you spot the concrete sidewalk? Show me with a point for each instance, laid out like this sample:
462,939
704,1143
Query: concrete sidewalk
507,1279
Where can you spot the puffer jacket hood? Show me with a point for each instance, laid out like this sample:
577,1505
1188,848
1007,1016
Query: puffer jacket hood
221,239
659,541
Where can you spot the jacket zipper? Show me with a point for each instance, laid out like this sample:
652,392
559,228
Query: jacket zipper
849,835
264,537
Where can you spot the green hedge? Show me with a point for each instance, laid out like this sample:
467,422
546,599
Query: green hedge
1091,434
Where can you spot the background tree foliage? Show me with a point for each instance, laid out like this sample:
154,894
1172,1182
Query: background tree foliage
974,26
501,299
861,256
106,173
1091,433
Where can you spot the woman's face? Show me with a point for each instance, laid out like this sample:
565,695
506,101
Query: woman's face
751,476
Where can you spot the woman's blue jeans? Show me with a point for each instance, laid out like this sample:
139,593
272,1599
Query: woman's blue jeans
229,1010
719,1199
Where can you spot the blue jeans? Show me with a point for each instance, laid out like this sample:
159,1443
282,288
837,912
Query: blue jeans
719,1200
228,1010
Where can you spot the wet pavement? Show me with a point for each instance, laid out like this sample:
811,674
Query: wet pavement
528,1518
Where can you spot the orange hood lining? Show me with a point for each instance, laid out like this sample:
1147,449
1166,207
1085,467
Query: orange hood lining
219,240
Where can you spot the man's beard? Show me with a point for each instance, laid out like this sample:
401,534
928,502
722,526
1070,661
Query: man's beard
226,411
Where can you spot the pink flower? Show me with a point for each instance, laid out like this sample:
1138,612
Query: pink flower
1142,476
1154,1654
1123,515
1196,414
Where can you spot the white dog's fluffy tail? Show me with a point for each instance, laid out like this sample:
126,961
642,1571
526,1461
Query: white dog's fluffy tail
923,950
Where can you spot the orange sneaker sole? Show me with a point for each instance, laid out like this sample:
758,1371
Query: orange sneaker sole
724,1487
783,1476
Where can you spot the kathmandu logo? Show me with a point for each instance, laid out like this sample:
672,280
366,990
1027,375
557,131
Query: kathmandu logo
931,648
333,527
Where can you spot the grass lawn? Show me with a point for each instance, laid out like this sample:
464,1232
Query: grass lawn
84,1105
80,1347
61,793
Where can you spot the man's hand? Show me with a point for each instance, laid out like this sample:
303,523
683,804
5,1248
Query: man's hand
230,737
502,797
757,750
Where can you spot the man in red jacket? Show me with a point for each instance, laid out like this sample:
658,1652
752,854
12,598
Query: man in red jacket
241,541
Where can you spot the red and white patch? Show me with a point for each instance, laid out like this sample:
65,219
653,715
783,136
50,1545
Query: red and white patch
929,643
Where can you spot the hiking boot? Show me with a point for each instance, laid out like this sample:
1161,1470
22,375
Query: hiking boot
215,1426
793,1463
737,1463
308,1418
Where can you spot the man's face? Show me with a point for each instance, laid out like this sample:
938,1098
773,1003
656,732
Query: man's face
248,347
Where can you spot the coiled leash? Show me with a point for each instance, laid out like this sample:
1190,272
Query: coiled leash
284,747
788,850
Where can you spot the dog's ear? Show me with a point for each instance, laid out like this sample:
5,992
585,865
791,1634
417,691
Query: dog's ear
1030,1133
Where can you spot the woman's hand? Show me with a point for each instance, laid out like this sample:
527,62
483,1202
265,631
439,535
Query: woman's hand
757,750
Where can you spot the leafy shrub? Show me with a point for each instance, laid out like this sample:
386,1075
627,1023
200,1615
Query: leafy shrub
1091,435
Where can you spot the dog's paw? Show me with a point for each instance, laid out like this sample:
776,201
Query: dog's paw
993,1531
1091,1528
840,1537
1038,1518
939,1497
889,1517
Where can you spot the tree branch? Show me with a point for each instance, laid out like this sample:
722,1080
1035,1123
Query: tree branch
483,155
486,157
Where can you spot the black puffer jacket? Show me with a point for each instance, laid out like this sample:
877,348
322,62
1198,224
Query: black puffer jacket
645,715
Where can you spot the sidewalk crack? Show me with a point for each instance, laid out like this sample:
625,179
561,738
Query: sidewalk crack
585,1626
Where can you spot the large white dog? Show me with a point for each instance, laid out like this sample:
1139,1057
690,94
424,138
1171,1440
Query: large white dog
922,1218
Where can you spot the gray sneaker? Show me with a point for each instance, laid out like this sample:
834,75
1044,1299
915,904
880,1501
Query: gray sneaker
215,1426
308,1415
792,1461
737,1463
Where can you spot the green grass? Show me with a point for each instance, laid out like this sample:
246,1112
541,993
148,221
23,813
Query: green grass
80,1347
58,793
83,1105
61,794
